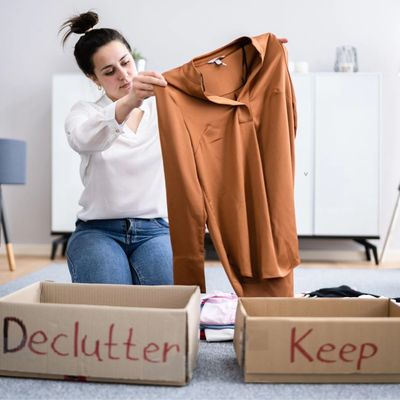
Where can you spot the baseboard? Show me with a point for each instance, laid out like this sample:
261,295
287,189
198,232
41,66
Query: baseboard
391,256
305,255
346,255
28,249
332,255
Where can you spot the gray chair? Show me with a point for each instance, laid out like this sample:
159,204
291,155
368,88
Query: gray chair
12,172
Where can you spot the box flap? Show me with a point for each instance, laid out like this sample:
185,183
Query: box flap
28,294
315,307
117,295
193,331
394,309
240,331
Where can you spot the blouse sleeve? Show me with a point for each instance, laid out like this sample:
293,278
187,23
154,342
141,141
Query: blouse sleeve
90,128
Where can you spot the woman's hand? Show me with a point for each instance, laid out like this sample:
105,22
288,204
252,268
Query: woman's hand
142,88
283,40
144,83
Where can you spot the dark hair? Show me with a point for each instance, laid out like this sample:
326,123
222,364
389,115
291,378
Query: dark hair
91,39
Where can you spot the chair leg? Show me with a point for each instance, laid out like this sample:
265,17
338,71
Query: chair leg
10,256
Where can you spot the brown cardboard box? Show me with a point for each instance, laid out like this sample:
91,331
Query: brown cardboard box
142,334
318,340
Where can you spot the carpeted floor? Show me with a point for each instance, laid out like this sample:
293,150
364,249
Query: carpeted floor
217,375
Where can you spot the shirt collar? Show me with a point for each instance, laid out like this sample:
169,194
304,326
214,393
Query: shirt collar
188,78
104,100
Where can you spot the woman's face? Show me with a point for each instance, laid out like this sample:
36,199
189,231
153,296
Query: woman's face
114,69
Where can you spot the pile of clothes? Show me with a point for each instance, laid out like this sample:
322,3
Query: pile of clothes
217,316
343,291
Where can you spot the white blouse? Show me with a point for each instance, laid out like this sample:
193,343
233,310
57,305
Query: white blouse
121,171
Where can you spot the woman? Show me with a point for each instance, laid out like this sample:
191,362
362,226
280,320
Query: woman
121,233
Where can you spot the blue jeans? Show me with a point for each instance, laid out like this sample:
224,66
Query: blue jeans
121,251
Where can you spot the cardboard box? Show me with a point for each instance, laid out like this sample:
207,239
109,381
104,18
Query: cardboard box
131,334
318,339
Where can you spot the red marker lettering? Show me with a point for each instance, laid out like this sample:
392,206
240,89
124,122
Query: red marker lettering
295,345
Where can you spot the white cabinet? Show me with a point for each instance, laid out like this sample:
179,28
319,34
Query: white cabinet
66,186
337,187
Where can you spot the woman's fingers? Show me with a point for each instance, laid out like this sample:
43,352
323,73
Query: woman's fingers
140,85
144,82
151,77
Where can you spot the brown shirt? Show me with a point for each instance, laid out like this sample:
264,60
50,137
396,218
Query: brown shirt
227,122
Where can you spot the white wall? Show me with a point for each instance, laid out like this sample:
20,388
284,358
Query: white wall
170,33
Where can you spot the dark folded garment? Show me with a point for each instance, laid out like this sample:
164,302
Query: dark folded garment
341,291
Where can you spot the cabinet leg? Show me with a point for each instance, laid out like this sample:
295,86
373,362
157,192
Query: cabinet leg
367,253
53,250
63,241
375,252
368,248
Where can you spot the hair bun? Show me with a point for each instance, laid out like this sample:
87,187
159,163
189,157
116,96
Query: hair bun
79,24
83,22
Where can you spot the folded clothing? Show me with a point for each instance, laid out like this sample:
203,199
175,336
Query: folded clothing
217,316
343,291
219,335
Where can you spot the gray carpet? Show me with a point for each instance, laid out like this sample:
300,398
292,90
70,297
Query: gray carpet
217,375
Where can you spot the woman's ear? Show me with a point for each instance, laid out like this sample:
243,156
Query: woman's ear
94,79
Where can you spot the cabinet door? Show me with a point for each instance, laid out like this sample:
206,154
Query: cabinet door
304,178
347,154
